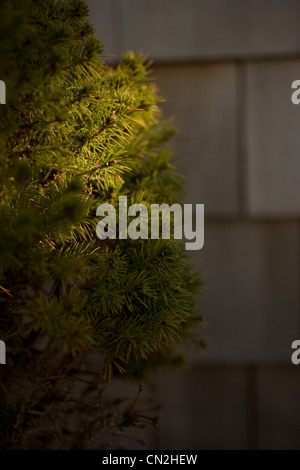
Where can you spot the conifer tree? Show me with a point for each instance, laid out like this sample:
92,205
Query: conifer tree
77,312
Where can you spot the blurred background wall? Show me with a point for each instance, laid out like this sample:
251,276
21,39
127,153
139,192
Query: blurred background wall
225,68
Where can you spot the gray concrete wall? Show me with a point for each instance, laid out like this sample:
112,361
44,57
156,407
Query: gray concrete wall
225,68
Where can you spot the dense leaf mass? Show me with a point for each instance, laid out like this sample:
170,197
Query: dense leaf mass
76,133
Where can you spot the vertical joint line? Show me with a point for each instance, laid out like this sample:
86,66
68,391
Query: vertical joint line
252,404
242,166
117,27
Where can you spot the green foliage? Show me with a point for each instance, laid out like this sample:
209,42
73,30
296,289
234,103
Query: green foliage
76,133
